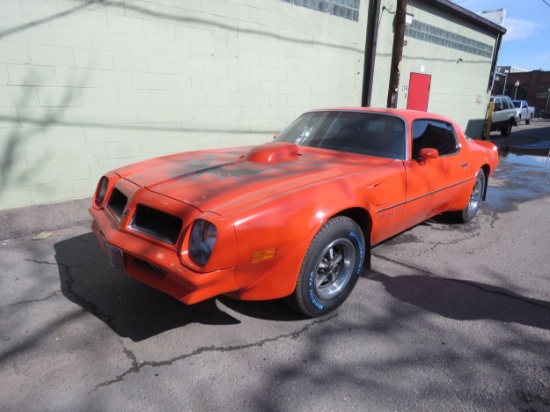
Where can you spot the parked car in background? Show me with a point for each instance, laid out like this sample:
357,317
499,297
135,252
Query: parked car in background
523,112
504,115
542,114
295,217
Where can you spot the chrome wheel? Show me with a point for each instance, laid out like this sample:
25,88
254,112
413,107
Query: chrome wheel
475,197
334,268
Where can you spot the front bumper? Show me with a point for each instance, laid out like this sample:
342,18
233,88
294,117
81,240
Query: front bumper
160,267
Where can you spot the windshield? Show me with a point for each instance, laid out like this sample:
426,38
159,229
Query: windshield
373,134
517,105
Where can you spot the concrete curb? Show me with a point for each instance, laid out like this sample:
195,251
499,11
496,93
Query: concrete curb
32,220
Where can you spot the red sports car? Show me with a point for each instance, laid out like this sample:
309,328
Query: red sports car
295,217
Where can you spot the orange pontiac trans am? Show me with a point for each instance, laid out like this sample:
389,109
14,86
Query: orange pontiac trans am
294,218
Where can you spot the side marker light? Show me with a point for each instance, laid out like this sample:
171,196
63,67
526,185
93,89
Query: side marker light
262,255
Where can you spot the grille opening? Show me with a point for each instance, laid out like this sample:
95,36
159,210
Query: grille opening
117,203
157,224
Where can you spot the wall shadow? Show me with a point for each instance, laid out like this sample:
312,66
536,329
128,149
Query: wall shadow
184,18
474,128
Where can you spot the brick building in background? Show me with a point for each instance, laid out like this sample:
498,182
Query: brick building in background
533,86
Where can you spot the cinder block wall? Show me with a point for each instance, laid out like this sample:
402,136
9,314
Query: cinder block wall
87,87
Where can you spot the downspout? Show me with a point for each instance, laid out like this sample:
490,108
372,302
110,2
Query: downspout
370,51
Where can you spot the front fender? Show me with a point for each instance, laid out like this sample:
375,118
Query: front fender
281,231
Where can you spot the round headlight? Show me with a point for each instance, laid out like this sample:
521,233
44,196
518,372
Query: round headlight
202,241
101,191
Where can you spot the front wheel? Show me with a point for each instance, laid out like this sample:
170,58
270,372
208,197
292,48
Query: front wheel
476,196
330,267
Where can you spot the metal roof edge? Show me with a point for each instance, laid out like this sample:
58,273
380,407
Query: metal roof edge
467,14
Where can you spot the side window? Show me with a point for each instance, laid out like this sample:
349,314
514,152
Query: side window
385,137
498,103
506,104
433,134
370,134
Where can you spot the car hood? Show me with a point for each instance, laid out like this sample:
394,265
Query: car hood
231,178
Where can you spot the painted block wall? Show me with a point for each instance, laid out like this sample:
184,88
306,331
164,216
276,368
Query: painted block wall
459,80
89,87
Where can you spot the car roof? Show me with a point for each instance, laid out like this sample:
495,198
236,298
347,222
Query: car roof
404,113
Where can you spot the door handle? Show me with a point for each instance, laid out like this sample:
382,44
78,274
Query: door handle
464,165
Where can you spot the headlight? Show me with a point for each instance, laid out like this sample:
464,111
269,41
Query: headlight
101,191
202,241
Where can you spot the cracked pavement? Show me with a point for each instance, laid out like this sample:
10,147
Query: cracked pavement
452,317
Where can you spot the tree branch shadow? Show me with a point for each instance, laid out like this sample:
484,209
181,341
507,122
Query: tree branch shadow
277,35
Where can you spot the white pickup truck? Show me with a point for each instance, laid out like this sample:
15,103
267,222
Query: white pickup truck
524,112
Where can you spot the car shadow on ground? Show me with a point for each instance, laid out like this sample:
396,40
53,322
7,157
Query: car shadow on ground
135,310
130,308
465,300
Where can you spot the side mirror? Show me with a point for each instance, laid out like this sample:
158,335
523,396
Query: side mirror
276,134
428,153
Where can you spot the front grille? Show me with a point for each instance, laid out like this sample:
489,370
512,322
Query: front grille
117,203
157,224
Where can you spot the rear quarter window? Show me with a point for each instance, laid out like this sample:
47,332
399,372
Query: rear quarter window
433,134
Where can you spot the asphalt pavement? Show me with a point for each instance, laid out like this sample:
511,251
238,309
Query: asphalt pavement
451,318
535,135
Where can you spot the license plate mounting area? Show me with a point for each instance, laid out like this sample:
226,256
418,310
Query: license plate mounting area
115,256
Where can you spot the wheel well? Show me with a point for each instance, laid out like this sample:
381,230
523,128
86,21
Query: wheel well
363,219
486,169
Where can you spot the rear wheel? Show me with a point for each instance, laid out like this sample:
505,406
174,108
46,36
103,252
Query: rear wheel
330,268
505,131
528,120
476,196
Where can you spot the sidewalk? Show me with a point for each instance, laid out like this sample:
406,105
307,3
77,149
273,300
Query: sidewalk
32,220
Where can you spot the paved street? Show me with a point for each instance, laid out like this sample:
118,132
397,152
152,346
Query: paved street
452,317
537,134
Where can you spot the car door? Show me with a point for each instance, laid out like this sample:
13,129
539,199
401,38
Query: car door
433,184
